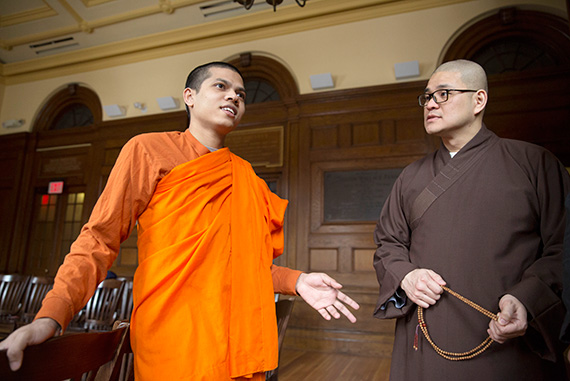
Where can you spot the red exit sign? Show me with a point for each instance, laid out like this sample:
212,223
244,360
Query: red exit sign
55,187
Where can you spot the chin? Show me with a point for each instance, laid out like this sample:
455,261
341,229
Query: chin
430,130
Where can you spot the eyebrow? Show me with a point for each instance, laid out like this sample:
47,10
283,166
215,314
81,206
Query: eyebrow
227,83
442,86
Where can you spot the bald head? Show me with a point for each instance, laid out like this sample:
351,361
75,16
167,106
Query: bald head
472,74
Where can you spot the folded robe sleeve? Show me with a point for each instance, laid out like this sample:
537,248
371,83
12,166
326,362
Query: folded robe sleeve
284,279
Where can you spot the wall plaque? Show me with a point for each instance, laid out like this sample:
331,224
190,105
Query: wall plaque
58,166
262,147
357,196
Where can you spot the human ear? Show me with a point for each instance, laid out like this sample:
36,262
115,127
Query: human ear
188,96
480,101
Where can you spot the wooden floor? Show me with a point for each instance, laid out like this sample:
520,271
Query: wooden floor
295,365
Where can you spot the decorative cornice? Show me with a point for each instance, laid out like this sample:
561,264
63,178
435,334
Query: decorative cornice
247,27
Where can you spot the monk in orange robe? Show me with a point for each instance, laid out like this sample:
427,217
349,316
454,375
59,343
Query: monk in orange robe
209,229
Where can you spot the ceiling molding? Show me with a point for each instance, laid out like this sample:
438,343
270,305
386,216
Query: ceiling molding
247,27
30,15
91,3
72,12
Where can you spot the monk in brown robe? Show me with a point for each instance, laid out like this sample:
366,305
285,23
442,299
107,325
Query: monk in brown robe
208,231
484,217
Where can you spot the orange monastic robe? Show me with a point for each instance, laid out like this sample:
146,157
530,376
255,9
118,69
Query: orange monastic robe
204,306
145,161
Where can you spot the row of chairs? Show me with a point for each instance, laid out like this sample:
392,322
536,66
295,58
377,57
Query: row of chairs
100,356
21,297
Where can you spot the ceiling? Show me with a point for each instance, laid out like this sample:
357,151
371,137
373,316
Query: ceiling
31,29
44,35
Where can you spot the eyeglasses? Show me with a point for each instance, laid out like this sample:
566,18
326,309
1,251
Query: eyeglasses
440,96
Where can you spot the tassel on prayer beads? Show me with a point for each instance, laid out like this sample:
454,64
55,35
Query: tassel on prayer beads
416,337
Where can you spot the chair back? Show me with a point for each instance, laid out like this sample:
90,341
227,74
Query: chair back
102,309
36,291
126,308
79,356
12,289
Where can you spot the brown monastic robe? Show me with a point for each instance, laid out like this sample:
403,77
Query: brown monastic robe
498,229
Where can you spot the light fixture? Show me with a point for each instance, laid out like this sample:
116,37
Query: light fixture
13,123
321,81
167,103
247,4
407,69
140,106
114,110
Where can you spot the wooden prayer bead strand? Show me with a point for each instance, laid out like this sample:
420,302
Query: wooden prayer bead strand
454,356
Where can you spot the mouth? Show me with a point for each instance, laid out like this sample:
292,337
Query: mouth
431,117
230,110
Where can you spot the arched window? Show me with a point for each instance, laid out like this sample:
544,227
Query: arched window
259,91
74,106
266,80
514,40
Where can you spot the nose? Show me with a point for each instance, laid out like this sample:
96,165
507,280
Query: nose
232,96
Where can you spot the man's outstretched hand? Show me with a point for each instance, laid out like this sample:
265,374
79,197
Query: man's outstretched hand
322,293
34,333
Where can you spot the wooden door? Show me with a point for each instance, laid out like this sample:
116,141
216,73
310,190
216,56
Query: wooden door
56,222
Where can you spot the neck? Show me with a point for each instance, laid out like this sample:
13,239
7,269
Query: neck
207,137
456,140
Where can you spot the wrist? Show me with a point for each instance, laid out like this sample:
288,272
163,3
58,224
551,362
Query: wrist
300,279
49,323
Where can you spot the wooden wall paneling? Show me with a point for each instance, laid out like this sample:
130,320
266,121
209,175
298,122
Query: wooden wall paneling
13,156
291,173
127,128
318,224
24,208
533,108
290,176
369,129
303,204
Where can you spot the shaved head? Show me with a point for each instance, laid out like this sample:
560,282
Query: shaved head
472,74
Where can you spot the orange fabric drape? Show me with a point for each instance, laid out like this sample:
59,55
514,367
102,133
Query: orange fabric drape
203,293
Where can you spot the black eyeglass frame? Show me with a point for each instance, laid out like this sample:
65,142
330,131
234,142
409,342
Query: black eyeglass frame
430,96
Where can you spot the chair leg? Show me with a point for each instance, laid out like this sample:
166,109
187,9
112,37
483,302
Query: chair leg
271,376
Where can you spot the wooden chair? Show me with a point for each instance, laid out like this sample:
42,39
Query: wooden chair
38,287
126,308
80,356
77,323
12,289
283,309
102,309
124,369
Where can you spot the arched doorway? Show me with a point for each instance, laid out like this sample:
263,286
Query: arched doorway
58,186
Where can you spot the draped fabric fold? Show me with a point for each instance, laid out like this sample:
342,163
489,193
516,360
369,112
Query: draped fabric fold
206,244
